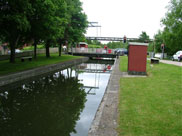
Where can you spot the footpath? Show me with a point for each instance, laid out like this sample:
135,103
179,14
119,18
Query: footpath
171,62
176,63
105,122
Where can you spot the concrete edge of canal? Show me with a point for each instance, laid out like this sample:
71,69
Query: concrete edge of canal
19,76
105,121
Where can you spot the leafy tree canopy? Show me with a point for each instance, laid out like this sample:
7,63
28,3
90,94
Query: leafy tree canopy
172,33
77,22
143,37
41,20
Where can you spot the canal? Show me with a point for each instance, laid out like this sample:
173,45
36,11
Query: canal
62,103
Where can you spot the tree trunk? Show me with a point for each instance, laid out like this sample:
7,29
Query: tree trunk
47,48
60,48
12,54
67,49
13,44
35,49
71,49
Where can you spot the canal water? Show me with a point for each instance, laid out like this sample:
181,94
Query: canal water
63,103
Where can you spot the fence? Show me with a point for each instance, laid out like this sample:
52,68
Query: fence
28,53
55,50
91,50
157,55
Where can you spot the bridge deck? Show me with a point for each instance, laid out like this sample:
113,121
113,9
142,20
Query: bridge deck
113,39
99,55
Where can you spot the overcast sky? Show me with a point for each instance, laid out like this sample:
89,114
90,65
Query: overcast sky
125,17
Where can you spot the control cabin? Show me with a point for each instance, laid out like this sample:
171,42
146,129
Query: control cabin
82,45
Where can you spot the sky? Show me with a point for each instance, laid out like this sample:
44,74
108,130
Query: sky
125,17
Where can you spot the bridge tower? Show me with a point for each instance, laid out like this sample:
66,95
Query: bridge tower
96,25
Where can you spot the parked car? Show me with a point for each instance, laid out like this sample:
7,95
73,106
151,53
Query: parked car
158,55
120,51
16,51
177,56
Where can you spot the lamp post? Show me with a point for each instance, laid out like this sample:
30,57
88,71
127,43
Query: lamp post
162,48
124,39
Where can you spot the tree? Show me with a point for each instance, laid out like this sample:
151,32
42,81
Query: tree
173,27
36,21
48,22
61,13
14,22
53,26
143,37
114,45
158,40
42,13
77,22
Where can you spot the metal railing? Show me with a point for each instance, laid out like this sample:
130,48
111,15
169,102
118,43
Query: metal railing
92,50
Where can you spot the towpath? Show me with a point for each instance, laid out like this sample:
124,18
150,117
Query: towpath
105,122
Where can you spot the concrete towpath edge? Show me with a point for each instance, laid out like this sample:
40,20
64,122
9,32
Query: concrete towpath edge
105,121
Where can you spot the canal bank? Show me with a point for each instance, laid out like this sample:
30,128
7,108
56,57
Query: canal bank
61,102
19,76
105,121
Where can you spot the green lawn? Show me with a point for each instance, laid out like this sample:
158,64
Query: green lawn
7,68
41,46
123,64
151,106
94,46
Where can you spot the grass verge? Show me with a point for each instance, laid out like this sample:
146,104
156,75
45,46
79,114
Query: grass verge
123,63
94,46
151,106
41,46
8,68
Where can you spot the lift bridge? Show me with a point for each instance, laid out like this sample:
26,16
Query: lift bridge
113,39
95,25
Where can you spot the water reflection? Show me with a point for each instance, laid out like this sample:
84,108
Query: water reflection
59,104
49,106
94,75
